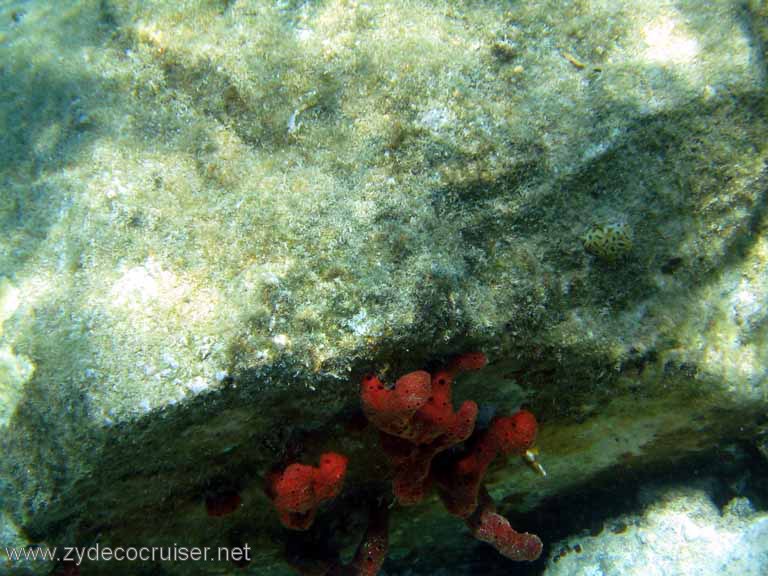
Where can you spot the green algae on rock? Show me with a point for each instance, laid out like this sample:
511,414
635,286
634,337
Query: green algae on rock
217,214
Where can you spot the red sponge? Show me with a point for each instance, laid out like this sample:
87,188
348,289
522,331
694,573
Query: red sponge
489,526
372,550
299,490
459,482
514,434
495,529
417,421
391,410
329,477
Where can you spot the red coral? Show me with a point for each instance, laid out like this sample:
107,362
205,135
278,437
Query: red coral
489,526
417,421
460,481
299,490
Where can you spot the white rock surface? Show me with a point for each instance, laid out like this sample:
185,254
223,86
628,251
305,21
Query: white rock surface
681,533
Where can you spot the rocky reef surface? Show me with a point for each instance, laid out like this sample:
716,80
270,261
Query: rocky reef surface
681,531
217,215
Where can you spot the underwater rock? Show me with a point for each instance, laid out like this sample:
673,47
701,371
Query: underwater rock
218,215
680,532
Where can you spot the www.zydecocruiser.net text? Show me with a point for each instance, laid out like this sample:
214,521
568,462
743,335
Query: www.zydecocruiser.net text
97,553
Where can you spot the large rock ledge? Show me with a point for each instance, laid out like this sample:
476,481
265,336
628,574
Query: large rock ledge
216,216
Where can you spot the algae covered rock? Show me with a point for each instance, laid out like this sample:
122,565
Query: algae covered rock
680,531
216,216
15,370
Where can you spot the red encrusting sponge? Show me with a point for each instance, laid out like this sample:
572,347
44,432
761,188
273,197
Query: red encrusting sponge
372,551
459,483
299,490
391,410
488,526
417,421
